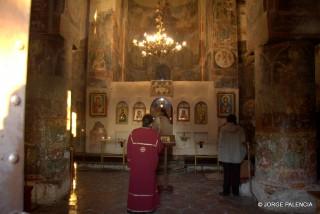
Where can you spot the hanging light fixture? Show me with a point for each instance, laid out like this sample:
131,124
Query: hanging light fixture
159,43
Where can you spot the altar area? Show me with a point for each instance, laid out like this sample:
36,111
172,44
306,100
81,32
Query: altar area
192,105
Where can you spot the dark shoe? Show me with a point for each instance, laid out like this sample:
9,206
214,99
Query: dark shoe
224,193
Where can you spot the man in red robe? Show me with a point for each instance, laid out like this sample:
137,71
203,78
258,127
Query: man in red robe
144,146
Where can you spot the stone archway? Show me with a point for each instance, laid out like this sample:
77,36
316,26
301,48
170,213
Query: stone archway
159,103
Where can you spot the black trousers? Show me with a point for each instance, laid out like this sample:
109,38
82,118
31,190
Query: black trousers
231,178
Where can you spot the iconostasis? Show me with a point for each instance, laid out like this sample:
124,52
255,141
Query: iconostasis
195,108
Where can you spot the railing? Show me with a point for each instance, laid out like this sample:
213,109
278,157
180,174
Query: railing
104,154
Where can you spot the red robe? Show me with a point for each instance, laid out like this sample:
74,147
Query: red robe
143,150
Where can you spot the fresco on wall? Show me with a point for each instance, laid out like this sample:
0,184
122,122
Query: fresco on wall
122,113
73,10
161,88
46,142
98,133
201,113
225,24
46,57
118,42
222,56
181,23
254,10
39,16
100,50
285,123
162,72
290,64
53,164
288,18
46,108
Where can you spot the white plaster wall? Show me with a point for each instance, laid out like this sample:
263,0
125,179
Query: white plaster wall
189,91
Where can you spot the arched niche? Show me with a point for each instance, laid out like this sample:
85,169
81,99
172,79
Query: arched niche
183,111
201,113
139,110
122,113
159,103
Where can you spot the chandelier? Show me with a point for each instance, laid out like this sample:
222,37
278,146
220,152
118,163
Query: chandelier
159,43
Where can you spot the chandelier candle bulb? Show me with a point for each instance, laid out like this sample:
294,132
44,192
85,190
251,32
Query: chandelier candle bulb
159,43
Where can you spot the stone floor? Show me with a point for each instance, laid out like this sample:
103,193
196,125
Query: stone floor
101,191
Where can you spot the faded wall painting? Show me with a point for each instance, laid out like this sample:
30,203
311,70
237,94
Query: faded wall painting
201,113
122,113
98,134
183,111
284,66
181,22
161,88
47,56
100,59
221,57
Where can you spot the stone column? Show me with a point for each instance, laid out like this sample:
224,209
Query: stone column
285,125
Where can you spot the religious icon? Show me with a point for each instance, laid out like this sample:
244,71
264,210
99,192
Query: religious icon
183,111
226,104
162,88
98,104
139,110
99,63
122,113
138,114
201,113
122,116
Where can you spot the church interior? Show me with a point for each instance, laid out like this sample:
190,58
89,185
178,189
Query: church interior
94,69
